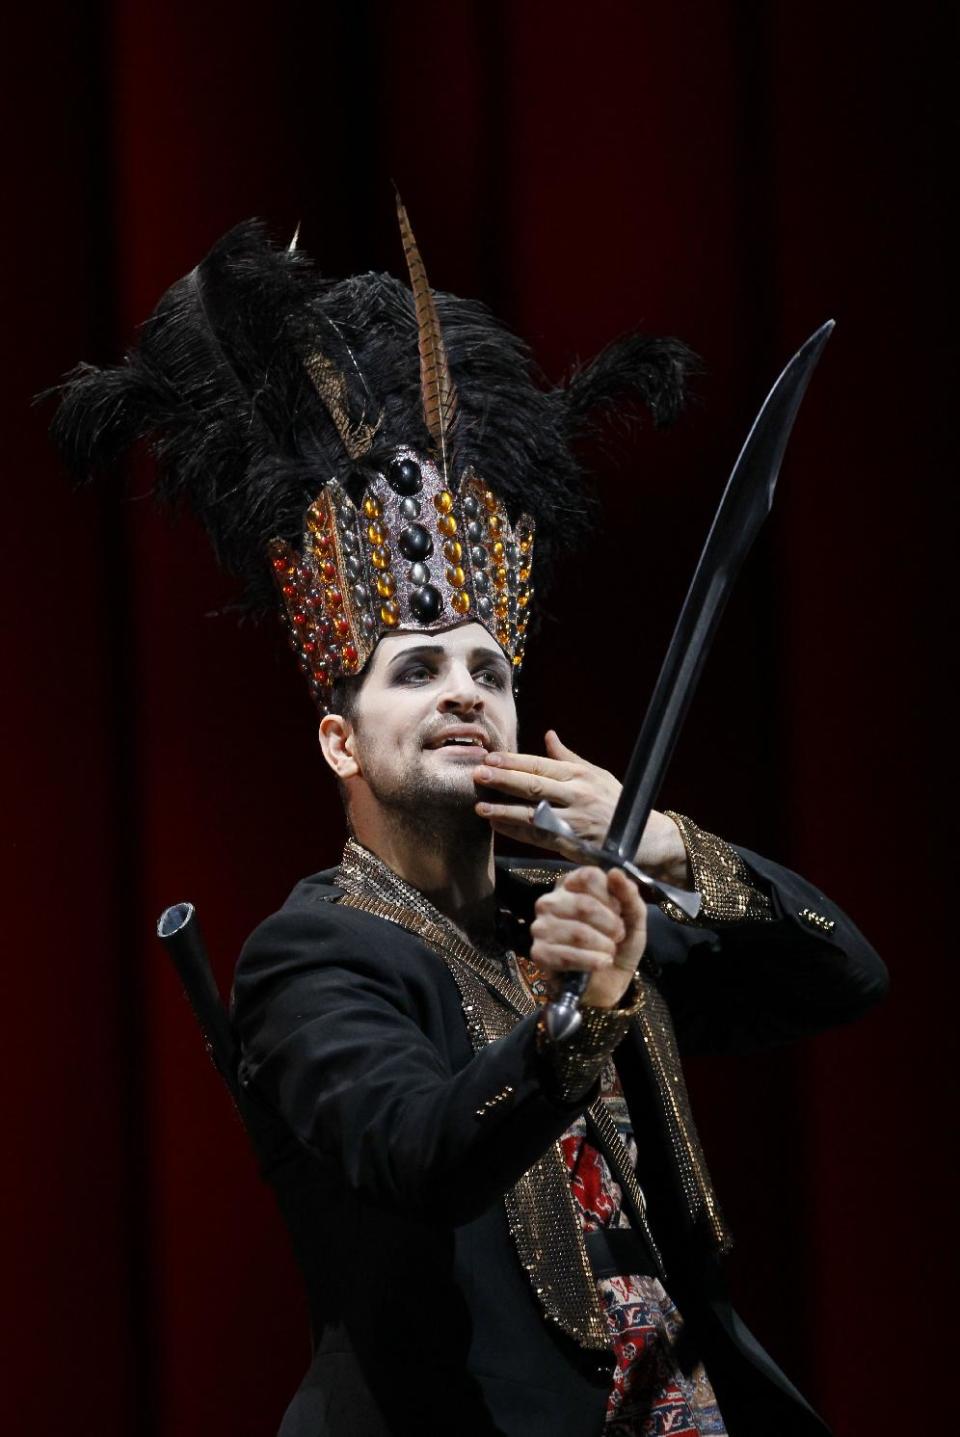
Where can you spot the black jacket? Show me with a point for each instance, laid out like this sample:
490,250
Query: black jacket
361,1091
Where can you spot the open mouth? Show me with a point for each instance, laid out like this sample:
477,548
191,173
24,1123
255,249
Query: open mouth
469,743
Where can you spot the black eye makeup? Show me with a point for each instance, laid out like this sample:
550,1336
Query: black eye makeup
413,672
422,665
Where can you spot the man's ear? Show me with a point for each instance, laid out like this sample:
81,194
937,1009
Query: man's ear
337,741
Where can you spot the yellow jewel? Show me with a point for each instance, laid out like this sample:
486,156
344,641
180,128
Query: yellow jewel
385,585
453,551
447,524
376,533
460,601
390,613
456,577
443,501
380,558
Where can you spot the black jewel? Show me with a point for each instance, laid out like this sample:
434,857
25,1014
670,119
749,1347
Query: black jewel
426,603
404,476
415,542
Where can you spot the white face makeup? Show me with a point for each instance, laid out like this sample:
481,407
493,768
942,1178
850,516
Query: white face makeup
430,708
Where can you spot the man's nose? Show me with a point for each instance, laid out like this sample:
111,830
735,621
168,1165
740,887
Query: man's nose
461,691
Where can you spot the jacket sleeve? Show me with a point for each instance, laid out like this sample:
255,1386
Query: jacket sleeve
332,1018
744,986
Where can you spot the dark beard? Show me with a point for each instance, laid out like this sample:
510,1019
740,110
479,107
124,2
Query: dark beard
421,812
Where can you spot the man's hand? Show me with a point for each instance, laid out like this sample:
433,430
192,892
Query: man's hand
593,922
585,794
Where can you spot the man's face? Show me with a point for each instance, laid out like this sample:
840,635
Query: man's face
429,709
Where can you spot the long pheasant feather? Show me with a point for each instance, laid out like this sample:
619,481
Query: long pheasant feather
436,386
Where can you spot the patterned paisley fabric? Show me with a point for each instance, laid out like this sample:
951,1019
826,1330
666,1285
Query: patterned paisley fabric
650,1396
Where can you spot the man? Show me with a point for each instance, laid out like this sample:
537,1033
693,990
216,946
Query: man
499,1232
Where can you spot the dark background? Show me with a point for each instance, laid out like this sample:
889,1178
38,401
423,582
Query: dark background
730,172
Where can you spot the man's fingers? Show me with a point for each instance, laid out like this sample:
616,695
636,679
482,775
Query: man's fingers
548,928
555,749
515,821
589,879
569,905
518,813
559,958
535,763
584,923
525,784
625,891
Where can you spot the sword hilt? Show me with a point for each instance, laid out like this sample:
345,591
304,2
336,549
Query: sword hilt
562,1015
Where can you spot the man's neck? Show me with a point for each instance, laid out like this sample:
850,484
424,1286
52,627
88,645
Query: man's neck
450,864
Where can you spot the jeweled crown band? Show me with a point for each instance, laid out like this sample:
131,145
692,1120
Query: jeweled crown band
413,556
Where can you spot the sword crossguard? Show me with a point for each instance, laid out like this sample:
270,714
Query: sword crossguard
548,820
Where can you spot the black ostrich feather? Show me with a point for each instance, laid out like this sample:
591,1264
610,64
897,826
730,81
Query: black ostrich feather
636,367
218,388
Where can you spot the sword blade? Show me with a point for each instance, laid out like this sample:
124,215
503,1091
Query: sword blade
745,504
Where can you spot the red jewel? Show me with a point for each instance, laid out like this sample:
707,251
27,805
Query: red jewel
334,598
350,654
321,673
329,571
309,646
323,542
288,591
323,629
299,617
342,627
281,564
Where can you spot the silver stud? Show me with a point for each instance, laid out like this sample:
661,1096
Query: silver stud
353,566
349,538
474,533
361,593
480,582
470,507
367,623
478,555
484,607
419,574
410,507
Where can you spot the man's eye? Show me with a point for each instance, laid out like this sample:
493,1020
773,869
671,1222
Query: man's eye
492,677
414,673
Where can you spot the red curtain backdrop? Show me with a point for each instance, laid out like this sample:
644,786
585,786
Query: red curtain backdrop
731,172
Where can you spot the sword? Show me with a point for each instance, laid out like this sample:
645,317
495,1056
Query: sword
746,502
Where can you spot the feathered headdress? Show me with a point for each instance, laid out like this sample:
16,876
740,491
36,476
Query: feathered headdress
384,457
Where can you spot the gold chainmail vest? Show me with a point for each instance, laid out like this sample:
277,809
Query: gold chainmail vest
542,1216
